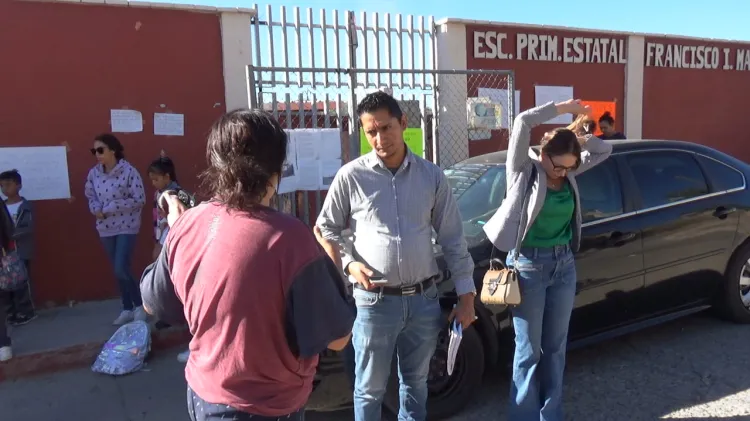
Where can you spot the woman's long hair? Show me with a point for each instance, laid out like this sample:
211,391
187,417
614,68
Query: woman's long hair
245,149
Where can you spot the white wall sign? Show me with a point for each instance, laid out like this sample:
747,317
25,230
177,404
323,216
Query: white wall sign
535,47
696,57
43,169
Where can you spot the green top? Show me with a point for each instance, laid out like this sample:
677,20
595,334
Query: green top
552,226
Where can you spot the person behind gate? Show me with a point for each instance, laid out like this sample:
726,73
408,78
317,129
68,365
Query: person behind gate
541,229
392,200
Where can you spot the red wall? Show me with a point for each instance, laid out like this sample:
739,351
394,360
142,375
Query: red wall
63,68
698,105
590,81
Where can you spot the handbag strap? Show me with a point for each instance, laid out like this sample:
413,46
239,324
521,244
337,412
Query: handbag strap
519,238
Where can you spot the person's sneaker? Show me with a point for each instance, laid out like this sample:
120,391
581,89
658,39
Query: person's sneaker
125,317
183,356
22,319
140,314
6,353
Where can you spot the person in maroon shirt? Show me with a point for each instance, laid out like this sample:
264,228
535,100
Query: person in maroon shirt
261,296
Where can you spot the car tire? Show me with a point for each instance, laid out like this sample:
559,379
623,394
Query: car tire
457,390
730,304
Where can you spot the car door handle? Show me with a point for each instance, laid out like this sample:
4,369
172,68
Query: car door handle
619,239
722,212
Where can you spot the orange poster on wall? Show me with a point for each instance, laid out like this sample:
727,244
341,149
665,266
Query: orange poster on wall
598,108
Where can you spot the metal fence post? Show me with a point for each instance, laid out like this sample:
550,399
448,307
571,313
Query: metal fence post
252,93
354,150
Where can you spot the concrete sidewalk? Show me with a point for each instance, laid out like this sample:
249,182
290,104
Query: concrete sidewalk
67,337
155,394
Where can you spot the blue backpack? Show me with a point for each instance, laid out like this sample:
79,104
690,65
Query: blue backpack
125,351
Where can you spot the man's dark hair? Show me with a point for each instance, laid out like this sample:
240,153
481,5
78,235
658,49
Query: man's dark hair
113,143
11,175
245,149
379,101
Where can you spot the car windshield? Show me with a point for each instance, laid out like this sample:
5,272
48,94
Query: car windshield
479,189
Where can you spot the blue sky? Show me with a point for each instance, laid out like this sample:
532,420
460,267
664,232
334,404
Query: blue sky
725,19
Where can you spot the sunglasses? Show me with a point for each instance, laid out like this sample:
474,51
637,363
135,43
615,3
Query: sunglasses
98,151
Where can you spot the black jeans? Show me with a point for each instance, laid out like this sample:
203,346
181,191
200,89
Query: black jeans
201,410
19,301
4,339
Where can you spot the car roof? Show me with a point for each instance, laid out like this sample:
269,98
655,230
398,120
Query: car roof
618,146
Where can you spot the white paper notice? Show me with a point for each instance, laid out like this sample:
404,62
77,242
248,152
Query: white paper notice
169,124
125,121
44,170
308,142
328,169
500,96
545,94
289,177
308,172
330,143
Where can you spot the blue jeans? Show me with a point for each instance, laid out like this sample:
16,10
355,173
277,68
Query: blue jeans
548,287
200,410
407,324
120,252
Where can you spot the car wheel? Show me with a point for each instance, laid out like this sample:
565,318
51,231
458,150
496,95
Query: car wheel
447,394
734,301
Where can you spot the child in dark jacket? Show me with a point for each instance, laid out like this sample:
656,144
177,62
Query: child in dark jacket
21,310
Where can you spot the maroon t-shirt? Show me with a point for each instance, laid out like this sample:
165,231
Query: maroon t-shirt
261,298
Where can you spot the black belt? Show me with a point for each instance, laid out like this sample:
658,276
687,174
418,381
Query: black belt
402,291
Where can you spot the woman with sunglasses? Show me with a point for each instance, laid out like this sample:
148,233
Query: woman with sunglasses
116,197
539,225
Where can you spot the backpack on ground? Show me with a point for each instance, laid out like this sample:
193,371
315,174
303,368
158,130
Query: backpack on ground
126,351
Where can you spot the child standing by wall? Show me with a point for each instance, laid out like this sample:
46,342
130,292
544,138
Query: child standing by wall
163,177
21,310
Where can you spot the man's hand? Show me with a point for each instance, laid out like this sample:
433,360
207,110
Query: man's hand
464,311
100,215
361,274
330,247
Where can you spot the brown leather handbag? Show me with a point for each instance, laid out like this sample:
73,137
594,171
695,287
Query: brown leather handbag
500,285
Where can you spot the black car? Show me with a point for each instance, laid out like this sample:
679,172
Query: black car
666,233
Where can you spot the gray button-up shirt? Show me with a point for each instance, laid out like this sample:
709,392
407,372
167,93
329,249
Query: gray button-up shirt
392,217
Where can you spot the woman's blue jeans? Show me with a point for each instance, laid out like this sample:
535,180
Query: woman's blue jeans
120,251
548,288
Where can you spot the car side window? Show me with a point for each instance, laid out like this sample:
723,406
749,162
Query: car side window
600,192
722,176
666,177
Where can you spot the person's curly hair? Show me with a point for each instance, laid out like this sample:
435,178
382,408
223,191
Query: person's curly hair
245,149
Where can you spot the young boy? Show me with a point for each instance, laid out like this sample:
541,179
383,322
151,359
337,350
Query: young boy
21,309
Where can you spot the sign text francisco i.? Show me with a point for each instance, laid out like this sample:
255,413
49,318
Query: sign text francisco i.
697,57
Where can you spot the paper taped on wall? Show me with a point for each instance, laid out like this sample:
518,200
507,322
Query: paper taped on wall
169,124
126,121
44,170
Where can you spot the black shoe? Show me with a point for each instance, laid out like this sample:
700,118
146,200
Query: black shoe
22,319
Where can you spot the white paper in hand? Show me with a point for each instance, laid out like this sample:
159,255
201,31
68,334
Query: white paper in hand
456,334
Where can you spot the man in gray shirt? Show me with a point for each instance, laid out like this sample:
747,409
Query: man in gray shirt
392,200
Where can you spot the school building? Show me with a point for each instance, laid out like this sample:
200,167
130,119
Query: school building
69,64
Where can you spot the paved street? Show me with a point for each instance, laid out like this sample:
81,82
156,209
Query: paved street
694,369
